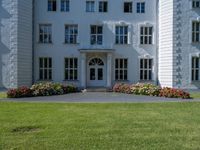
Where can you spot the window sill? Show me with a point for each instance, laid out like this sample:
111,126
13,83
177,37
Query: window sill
146,81
45,43
121,80
71,43
146,44
122,44
44,80
71,80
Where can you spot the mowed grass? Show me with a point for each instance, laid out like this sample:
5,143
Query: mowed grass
3,95
195,95
120,126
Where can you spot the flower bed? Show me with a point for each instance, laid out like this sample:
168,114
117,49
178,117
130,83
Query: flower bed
150,90
41,89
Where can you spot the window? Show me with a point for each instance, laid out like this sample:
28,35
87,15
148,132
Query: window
196,4
51,5
128,7
65,5
96,35
121,69
45,68
195,32
90,6
141,7
195,68
103,6
146,34
145,69
45,33
71,68
71,34
121,34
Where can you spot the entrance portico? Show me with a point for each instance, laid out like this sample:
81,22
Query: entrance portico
96,68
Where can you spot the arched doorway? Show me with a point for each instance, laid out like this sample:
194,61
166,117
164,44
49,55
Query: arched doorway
96,72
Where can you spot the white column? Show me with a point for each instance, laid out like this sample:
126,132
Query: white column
109,69
83,70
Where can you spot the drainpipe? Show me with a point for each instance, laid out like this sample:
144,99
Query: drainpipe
157,42
33,48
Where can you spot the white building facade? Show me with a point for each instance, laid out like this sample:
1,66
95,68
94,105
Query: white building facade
96,43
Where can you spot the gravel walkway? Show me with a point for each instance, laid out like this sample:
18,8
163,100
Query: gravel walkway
97,97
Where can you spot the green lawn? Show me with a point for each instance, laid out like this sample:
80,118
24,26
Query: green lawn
50,126
3,95
195,95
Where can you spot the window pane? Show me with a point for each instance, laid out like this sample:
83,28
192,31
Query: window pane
66,74
100,74
116,75
92,74
125,74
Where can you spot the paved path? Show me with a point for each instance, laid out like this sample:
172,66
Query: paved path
97,97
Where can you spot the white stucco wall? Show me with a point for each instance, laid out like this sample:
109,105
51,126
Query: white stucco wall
77,15
15,42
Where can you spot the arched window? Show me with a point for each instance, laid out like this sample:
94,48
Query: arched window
96,61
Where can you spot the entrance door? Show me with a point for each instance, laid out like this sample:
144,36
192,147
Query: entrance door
96,72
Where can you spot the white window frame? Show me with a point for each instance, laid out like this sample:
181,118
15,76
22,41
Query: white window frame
148,69
195,68
195,33
101,6
64,5
144,35
122,35
72,33
68,69
123,69
90,6
96,35
47,32
194,3
51,2
140,7
48,69
130,8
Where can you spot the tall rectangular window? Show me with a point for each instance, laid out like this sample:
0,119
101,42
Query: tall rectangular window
121,34
90,6
103,6
71,34
195,68
196,4
71,69
141,7
65,5
146,35
146,69
128,7
121,69
45,33
52,5
45,68
195,32
96,35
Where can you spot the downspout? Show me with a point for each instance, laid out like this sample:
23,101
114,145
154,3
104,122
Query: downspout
33,48
157,42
